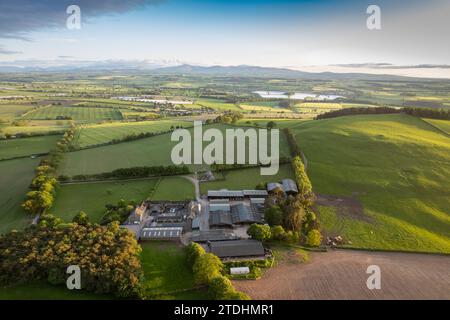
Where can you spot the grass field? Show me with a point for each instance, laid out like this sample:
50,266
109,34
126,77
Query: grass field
16,176
10,111
245,179
174,188
75,113
151,151
219,105
443,125
27,146
97,134
397,166
45,291
167,272
92,197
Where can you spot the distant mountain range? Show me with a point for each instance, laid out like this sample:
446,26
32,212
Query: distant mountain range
174,68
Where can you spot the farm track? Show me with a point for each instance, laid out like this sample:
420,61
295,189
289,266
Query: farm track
341,274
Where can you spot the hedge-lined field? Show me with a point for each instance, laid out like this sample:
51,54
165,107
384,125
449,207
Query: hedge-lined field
97,134
92,197
27,146
16,176
153,151
397,166
75,113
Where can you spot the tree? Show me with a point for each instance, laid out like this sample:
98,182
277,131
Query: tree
274,215
220,288
193,251
294,214
279,234
314,238
271,125
81,218
206,267
259,232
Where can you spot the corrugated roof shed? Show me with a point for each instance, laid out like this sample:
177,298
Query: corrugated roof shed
237,248
225,194
255,193
241,213
289,185
220,218
161,233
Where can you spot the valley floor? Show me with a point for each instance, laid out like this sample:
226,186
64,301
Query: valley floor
341,274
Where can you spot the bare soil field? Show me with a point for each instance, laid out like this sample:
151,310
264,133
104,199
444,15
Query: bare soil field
341,274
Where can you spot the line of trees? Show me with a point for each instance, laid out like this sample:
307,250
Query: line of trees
208,270
130,173
292,142
42,194
416,112
108,256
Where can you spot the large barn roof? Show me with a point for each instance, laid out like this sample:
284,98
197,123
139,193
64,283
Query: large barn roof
237,248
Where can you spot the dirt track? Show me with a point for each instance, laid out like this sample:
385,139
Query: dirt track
341,274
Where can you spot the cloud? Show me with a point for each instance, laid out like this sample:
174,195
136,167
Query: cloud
391,66
20,17
5,51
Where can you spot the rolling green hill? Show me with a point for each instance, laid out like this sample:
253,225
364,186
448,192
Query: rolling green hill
396,166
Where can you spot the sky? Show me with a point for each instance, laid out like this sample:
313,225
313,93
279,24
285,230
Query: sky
311,35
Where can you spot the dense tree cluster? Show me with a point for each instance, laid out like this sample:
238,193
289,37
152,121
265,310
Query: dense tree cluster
291,218
129,173
208,270
108,256
118,213
229,117
428,113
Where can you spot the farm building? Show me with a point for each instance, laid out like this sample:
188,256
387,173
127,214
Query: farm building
161,233
242,214
288,186
220,219
233,215
236,194
237,249
213,235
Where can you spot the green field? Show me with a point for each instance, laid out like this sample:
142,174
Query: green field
45,291
27,146
16,176
167,273
397,166
102,133
92,197
244,179
216,104
75,113
10,111
174,188
153,151
443,125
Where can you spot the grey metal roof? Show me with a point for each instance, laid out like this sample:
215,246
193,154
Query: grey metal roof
255,193
213,235
237,248
241,213
161,233
219,207
225,193
289,185
273,185
220,218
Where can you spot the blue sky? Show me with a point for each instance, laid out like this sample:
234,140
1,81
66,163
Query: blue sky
283,33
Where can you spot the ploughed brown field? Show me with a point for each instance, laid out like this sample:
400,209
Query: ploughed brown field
341,274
